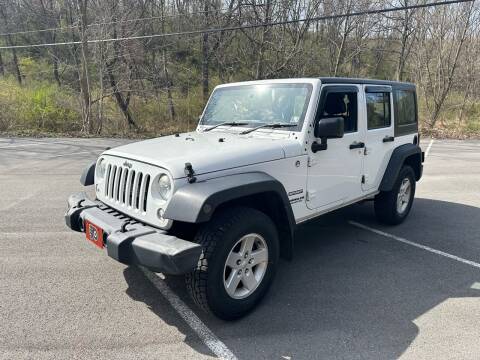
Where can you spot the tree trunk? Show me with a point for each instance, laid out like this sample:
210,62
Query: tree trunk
10,42
48,14
168,81
55,71
205,55
403,46
339,59
264,38
168,86
84,77
16,67
2,67
55,62
123,103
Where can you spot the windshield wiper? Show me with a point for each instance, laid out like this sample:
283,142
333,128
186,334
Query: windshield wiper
226,123
273,126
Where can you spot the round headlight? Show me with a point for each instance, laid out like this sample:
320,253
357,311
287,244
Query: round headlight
101,168
164,186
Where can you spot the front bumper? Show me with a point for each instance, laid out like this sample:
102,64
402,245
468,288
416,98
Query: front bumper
131,242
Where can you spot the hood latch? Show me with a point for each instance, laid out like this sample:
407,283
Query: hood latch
190,173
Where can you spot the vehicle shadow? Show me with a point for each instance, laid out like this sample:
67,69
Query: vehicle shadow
348,293
141,289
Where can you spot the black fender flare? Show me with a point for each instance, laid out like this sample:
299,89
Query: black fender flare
88,175
196,202
399,156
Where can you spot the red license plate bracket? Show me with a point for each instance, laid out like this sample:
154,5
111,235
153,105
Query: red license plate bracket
94,234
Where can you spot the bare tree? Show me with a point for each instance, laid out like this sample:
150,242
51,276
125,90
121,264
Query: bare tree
407,30
84,56
2,67
131,81
120,60
205,53
4,14
438,52
166,74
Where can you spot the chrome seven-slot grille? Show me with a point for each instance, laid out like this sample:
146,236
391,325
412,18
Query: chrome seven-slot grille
127,187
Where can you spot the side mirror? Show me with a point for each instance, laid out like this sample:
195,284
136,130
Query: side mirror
328,128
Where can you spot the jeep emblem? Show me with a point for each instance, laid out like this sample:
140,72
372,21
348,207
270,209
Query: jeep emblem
127,164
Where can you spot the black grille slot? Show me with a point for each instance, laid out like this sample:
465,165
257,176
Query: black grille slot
145,192
107,179
137,190
117,183
112,181
124,185
130,188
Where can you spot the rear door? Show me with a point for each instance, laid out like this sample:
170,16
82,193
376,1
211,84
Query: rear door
334,174
379,138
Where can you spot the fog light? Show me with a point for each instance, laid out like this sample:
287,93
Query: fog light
162,222
160,213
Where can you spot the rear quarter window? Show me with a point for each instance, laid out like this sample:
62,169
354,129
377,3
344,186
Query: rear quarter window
406,107
406,117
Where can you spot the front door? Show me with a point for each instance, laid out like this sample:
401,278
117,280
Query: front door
335,174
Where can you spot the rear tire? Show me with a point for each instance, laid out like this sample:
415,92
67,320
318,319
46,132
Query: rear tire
392,207
228,281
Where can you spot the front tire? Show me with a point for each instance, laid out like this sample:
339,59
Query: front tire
392,207
238,263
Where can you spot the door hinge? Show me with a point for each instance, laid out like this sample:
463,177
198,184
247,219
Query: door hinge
311,161
363,179
310,195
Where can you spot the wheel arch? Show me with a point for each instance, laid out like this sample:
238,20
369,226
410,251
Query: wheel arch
407,154
198,202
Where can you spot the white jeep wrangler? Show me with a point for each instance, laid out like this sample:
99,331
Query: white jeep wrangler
221,204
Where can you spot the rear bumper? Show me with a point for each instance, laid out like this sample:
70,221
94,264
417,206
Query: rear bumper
130,242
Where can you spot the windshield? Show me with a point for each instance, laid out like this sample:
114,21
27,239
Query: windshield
259,104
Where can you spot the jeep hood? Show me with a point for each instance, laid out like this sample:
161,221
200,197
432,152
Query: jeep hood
207,152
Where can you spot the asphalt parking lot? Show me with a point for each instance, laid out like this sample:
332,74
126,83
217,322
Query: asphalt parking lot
355,290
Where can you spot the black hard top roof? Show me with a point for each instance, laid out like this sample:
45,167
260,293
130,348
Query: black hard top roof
342,80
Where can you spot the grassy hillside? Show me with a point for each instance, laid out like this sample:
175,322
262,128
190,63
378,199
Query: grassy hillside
44,108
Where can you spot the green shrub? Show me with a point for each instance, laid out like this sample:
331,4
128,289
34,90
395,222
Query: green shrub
38,106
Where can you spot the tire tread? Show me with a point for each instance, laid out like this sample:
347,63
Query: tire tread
385,202
209,236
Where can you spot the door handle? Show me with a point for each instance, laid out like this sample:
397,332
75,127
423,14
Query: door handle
357,145
388,139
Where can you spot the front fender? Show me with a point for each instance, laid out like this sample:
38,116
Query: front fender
195,203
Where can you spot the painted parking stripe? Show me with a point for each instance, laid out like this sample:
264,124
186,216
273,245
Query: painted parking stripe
37,233
427,152
411,243
16,146
203,332
75,153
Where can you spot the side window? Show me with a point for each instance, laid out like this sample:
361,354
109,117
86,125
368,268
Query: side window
378,110
342,104
405,102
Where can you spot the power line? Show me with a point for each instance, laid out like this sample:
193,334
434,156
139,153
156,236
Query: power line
63,28
241,27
